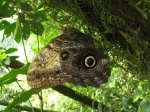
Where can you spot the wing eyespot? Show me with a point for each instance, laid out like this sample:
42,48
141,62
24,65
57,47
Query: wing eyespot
90,61
65,55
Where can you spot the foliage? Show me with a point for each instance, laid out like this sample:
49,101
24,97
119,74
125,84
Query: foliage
24,96
120,27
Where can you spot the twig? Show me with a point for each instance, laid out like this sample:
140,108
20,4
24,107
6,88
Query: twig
24,108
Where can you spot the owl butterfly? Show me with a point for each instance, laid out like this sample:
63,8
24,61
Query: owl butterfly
70,57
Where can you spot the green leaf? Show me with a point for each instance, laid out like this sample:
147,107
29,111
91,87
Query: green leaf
124,103
11,76
37,28
26,30
39,7
2,56
17,32
144,105
9,81
1,3
13,57
42,16
99,107
11,50
1,48
136,96
9,29
7,10
25,7
40,29
23,97
4,24
143,14
15,110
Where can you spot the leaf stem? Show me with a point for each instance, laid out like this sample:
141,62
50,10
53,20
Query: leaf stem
22,40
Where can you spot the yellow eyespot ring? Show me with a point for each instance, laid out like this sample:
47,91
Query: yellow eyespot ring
90,61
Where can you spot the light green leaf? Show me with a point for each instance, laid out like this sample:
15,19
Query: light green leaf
42,16
136,96
11,76
2,56
23,97
17,32
144,105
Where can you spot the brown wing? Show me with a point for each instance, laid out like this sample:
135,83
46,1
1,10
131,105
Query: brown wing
45,70
71,57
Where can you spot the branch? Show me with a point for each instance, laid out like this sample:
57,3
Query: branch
24,108
78,97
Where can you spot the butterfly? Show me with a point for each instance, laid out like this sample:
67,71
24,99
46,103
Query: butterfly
71,57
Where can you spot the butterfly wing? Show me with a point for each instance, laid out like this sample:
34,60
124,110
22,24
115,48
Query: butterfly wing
45,70
71,57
